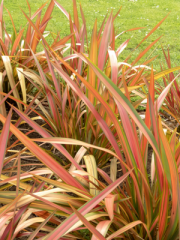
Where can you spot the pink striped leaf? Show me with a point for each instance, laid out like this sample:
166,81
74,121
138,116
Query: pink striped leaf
4,138
45,134
44,157
70,221
102,227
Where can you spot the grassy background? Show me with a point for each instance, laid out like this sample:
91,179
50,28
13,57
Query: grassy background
140,13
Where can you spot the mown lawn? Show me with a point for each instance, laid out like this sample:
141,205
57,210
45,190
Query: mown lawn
140,13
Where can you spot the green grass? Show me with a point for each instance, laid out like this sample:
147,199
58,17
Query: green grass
140,13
